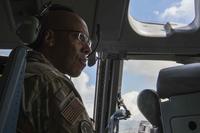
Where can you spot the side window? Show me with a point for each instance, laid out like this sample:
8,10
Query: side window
157,18
137,76
5,52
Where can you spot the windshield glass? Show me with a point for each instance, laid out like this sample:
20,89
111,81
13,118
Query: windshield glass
137,76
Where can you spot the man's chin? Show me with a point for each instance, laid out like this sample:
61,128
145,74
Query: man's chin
75,74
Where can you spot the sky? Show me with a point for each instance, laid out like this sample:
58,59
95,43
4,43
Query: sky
137,74
162,11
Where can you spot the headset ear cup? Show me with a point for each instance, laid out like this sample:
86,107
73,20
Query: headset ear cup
28,30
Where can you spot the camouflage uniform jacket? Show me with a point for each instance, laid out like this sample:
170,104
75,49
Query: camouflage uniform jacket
50,102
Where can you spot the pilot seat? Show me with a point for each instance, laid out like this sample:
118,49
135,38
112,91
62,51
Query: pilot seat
173,107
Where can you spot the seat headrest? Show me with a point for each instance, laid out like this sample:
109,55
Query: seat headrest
148,104
179,80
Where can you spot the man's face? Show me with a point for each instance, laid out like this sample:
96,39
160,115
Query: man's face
69,51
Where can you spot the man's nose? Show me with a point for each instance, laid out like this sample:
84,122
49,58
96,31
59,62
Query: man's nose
86,49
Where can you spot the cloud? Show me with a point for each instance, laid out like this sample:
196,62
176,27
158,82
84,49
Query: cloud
128,126
86,91
131,124
179,12
146,68
130,100
156,12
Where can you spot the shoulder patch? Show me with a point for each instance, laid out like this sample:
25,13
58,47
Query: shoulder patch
72,111
86,127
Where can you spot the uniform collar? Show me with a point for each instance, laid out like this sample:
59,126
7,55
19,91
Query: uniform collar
35,56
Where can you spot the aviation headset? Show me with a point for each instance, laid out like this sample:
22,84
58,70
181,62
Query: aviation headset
29,29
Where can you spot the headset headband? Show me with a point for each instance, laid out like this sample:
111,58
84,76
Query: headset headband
45,8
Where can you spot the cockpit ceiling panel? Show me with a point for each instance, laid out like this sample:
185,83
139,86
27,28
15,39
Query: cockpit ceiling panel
116,34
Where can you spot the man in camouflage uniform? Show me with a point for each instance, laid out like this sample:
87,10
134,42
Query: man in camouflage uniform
50,102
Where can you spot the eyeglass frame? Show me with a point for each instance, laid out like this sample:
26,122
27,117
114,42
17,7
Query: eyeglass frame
88,41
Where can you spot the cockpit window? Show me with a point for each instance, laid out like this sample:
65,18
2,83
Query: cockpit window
133,82
146,16
163,11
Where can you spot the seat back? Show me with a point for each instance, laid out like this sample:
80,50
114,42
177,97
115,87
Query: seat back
174,107
11,83
180,113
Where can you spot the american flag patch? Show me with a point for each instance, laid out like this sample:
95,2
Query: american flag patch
72,111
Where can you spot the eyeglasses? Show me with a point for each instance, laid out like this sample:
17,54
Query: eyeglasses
82,37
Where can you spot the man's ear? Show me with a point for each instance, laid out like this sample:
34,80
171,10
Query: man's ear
49,38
